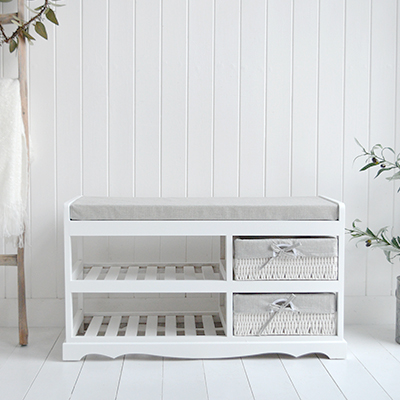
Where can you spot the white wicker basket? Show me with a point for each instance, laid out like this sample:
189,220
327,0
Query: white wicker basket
309,314
286,259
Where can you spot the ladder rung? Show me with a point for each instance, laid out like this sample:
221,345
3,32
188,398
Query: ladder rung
6,18
8,260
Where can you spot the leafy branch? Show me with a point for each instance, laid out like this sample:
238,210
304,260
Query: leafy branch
390,246
377,158
40,13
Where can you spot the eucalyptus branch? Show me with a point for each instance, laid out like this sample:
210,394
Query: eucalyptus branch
390,246
22,29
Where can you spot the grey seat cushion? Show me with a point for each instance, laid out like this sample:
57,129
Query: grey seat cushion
215,208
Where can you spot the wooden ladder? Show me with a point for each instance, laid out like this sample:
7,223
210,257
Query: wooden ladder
18,259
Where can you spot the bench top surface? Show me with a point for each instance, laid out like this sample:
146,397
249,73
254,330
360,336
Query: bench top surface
214,208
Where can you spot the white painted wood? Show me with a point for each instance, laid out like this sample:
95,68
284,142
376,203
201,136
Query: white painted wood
141,375
357,112
268,378
353,379
330,98
113,326
376,359
226,98
121,97
95,118
200,104
170,325
236,384
99,377
8,344
305,95
310,379
21,368
151,325
190,325
252,97
279,94
44,374
93,273
131,329
184,380
94,326
55,379
382,120
174,98
147,98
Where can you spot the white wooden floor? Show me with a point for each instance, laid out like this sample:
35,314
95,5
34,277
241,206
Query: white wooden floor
36,372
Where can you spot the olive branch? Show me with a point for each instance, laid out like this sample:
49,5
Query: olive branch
377,157
22,29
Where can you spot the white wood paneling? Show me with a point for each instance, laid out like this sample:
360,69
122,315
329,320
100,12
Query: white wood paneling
357,111
330,97
305,97
208,98
252,98
147,97
200,98
226,98
174,96
382,124
279,98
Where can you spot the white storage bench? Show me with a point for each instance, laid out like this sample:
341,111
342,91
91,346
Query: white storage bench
292,250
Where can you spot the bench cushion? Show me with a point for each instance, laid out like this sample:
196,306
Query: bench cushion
215,208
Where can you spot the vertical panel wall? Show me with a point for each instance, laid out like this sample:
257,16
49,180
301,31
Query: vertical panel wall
209,98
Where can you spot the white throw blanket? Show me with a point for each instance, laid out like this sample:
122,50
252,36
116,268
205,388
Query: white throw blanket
13,162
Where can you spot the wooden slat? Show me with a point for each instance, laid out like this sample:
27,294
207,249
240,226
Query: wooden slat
190,325
94,326
170,274
189,273
132,327
93,274
208,272
170,325
113,326
132,274
151,273
8,260
112,274
6,18
151,326
209,328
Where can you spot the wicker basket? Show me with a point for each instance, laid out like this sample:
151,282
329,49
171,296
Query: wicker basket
307,314
286,259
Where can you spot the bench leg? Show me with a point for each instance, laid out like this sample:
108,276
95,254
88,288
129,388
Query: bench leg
22,317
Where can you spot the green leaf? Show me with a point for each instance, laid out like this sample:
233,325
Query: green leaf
365,167
5,1
382,170
51,16
394,177
27,35
13,45
41,29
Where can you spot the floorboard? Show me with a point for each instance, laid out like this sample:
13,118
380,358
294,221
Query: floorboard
56,379
24,364
141,374
34,372
268,378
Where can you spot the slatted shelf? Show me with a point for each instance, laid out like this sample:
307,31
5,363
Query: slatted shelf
112,326
151,272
